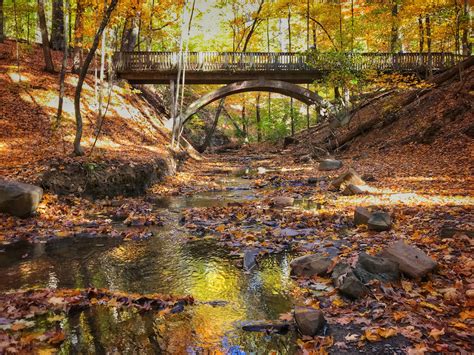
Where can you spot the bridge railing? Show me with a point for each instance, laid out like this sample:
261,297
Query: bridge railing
265,62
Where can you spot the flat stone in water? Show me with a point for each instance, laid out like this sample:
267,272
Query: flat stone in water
266,326
250,259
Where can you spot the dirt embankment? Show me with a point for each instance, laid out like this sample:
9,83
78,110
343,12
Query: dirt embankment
423,135
131,151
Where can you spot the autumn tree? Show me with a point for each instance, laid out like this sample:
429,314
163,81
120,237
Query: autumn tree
77,96
62,75
467,28
57,26
2,31
395,34
131,32
49,67
78,37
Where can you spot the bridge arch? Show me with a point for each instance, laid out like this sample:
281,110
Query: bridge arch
276,86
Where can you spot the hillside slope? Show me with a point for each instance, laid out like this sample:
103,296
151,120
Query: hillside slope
427,144
30,147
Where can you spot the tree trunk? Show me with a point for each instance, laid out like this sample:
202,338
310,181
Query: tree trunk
352,25
457,27
2,33
62,76
150,27
253,27
421,33
315,36
466,32
57,26
292,116
244,123
239,130
428,43
101,79
77,96
259,119
395,35
212,129
341,42
17,35
49,67
78,37
428,32
130,37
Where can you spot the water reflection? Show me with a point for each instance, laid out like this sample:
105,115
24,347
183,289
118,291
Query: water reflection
165,263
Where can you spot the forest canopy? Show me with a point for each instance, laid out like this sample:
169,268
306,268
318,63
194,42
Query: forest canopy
255,25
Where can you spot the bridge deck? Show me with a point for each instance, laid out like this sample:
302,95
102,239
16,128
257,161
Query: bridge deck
228,67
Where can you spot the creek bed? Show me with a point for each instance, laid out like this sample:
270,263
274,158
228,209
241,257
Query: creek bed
166,263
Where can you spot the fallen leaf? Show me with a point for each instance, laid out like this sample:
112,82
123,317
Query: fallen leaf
436,333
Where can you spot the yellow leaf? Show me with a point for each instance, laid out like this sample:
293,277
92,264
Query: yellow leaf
407,286
56,318
338,302
430,306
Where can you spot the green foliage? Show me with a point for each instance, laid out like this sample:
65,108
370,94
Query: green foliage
343,68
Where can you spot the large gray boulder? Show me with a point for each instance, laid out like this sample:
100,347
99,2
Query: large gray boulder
374,267
411,260
329,164
282,201
310,265
19,199
361,216
349,177
347,282
448,231
379,221
352,189
309,321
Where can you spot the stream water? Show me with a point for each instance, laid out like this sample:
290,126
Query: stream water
166,263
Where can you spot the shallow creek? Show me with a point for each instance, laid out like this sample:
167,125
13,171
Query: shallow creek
227,296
